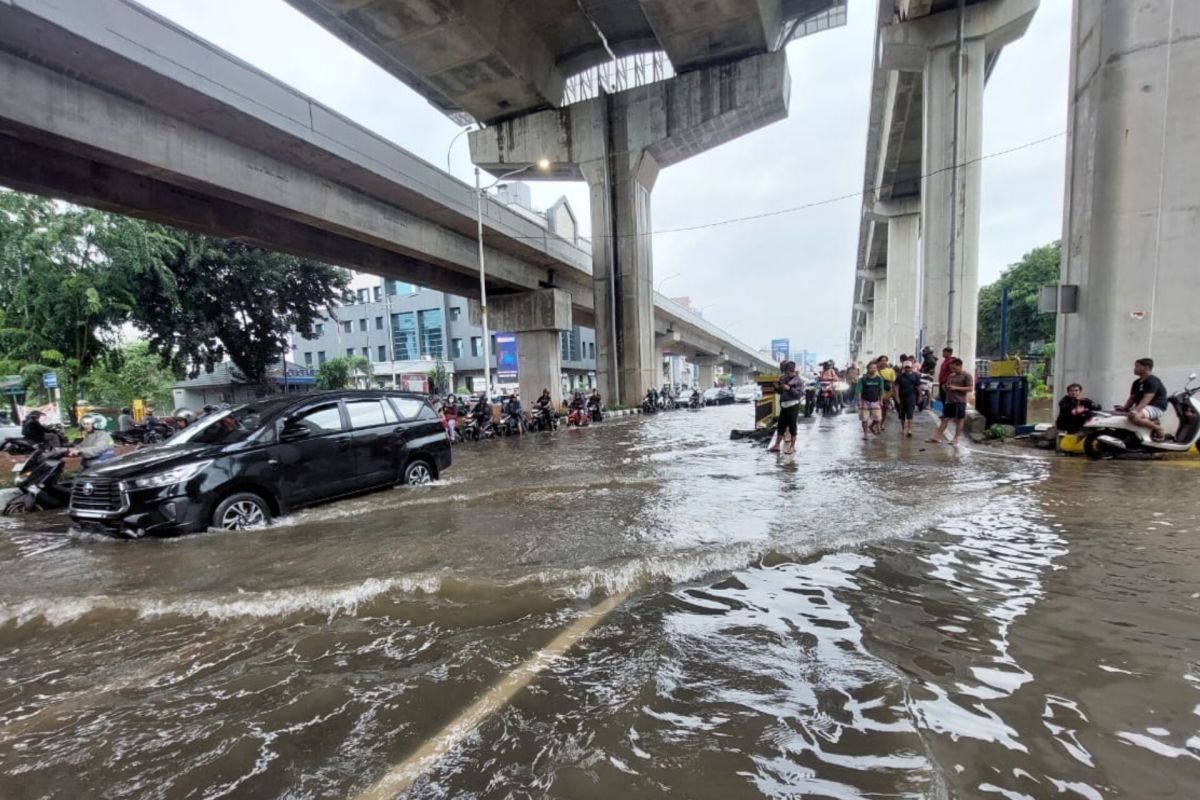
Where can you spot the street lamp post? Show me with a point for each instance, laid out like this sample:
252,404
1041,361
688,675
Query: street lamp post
480,191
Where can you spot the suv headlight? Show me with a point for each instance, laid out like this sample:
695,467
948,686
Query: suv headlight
170,477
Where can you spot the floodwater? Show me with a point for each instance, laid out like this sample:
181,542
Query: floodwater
635,610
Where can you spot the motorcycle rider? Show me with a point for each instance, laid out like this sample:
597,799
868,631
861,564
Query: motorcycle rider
482,411
97,444
33,430
125,421
543,407
595,406
1147,401
450,415
513,410
578,408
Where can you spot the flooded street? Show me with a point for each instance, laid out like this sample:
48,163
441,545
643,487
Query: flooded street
640,609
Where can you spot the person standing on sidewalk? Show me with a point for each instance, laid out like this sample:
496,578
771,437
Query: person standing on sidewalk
905,392
943,372
954,407
791,389
889,379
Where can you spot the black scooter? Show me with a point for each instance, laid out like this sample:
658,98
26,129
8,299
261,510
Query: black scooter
41,484
593,407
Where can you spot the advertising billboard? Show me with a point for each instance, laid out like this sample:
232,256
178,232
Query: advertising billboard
506,356
781,349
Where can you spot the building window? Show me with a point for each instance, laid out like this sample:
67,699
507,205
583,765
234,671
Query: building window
379,323
363,295
378,294
349,352
362,325
456,348
347,327
400,288
320,357
429,321
404,336
382,355
592,350
476,346
320,329
308,359
564,344
455,312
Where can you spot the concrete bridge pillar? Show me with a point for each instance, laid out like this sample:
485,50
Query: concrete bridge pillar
1131,230
618,143
953,144
903,219
538,319
882,318
707,371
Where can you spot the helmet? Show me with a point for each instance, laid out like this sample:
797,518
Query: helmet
99,421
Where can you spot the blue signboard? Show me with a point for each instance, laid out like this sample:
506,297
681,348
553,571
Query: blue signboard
506,356
50,380
781,350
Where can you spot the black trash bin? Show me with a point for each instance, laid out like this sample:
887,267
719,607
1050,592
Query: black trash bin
1003,400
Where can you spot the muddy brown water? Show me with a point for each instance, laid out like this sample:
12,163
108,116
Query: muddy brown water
888,619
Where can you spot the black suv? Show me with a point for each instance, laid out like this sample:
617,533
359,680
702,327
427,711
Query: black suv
238,468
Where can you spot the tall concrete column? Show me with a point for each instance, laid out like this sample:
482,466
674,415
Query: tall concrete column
707,366
883,319
618,143
868,351
538,319
1131,230
904,270
952,55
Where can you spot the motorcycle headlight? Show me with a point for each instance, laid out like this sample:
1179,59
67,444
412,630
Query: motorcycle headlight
168,478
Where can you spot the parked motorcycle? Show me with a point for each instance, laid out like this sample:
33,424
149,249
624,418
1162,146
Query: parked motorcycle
20,446
1112,435
41,484
149,432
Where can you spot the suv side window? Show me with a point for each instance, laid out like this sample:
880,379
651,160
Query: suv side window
409,407
365,413
320,420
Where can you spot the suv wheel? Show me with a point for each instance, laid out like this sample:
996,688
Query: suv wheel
241,511
418,473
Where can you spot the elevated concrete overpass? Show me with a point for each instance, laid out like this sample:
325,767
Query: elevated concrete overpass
106,104
917,268
517,69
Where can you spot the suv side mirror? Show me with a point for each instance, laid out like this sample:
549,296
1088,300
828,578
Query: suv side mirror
294,432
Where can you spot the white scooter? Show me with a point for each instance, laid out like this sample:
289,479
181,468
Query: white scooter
1111,435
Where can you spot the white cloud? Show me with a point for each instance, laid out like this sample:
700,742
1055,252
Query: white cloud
788,275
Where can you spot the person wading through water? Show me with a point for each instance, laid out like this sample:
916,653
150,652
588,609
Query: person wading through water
791,389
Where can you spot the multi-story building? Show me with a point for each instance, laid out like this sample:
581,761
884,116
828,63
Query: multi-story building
406,331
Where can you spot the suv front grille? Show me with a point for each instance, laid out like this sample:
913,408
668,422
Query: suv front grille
96,494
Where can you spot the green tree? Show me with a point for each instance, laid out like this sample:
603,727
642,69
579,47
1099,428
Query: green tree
65,279
218,298
344,372
1026,324
131,372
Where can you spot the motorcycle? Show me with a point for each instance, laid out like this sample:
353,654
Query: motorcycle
828,401
650,403
578,418
145,433
594,412
543,419
695,402
1111,435
512,422
41,484
19,446
472,431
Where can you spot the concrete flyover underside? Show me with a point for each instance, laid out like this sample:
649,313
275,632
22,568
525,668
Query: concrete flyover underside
169,128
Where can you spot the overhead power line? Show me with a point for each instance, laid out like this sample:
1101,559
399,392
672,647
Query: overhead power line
827,201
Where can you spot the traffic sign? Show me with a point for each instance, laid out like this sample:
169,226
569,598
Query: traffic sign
50,380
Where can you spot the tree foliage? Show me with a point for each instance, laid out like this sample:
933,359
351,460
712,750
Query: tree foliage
219,298
1027,326
133,371
344,372
71,278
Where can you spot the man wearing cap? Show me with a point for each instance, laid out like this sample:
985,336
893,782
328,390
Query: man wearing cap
905,392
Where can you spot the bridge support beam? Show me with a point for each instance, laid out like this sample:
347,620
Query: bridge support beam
618,143
1131,229
707,371
538,319
953,144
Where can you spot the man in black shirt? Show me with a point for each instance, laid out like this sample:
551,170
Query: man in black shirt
1147,399
905,392
1074,410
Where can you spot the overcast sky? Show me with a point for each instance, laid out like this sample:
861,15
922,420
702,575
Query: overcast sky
785,276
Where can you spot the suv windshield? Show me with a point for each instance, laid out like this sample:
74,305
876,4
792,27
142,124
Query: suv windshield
225,427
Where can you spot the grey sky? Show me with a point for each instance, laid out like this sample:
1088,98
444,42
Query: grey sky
784,276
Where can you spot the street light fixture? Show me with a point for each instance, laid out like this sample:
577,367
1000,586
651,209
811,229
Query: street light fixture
542,164
664,280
